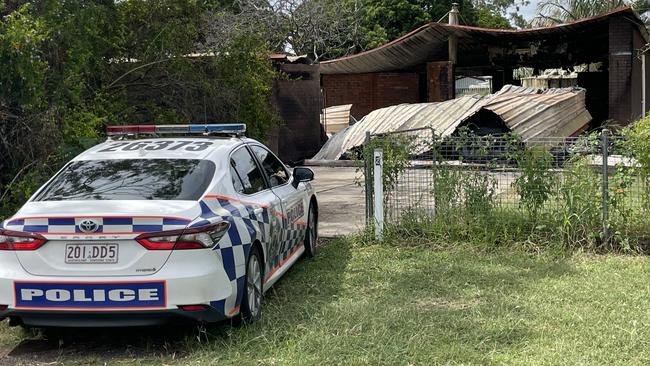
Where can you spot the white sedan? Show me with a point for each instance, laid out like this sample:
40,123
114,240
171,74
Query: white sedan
149,231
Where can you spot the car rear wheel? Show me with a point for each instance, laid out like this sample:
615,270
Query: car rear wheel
311,234
251,306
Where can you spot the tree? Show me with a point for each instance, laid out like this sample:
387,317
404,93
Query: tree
325,29
499,13
385,20
563,11
321,29
68,68
489,19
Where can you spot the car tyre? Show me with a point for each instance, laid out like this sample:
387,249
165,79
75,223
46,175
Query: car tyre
251,304
311,233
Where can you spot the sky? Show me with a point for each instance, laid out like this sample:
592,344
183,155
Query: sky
528,11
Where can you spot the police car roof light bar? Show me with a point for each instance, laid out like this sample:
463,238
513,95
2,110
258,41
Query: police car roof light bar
236,129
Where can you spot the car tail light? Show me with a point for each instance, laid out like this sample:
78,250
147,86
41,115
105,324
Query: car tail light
193,307
196,238
18,240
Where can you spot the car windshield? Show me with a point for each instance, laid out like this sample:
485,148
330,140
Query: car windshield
130,179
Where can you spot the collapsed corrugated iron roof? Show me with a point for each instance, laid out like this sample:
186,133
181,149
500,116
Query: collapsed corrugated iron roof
533,113
429,42
527,112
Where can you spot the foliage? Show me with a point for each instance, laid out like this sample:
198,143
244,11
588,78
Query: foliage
321,29
562,11
637,143
479,191
534,185
396,152
22,61
446,190
385,20
69,68
326,29
488,19
496,191
579,212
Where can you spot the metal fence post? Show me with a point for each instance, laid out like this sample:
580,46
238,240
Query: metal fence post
367,177
378,163
604,144
434,159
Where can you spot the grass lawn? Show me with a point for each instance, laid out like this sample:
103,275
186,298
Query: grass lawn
384,304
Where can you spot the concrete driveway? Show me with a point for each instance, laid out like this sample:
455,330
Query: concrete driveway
341,200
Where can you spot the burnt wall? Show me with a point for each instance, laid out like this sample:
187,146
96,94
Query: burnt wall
440,81
597,97
367,92
620,70
298,100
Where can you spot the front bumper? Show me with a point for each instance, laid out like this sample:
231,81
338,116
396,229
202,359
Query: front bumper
189,279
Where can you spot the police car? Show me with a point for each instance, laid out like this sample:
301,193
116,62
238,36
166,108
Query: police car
148,231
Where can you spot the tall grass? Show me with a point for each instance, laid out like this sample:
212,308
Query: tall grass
555,207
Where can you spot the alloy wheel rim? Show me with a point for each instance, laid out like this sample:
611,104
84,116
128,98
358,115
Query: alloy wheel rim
254,283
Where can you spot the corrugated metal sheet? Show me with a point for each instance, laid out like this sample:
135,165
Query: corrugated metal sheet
443,117
534,113
336,118
429,42
530,113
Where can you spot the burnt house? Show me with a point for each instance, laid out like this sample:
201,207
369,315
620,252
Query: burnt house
422,66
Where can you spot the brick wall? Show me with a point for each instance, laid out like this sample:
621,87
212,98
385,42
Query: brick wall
367,92
620,69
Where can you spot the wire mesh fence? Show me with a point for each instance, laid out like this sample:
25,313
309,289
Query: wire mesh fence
590,182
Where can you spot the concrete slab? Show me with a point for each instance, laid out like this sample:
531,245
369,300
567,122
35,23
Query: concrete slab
341,200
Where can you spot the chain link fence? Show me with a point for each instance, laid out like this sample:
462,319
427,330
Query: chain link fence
586,188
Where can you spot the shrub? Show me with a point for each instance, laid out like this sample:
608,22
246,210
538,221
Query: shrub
535,184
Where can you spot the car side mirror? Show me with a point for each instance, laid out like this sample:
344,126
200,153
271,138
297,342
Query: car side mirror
301,174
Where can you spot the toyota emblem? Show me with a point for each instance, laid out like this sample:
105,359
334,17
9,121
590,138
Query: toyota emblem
88,226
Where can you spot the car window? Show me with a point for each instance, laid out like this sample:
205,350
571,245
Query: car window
130,179
273,167
246,176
